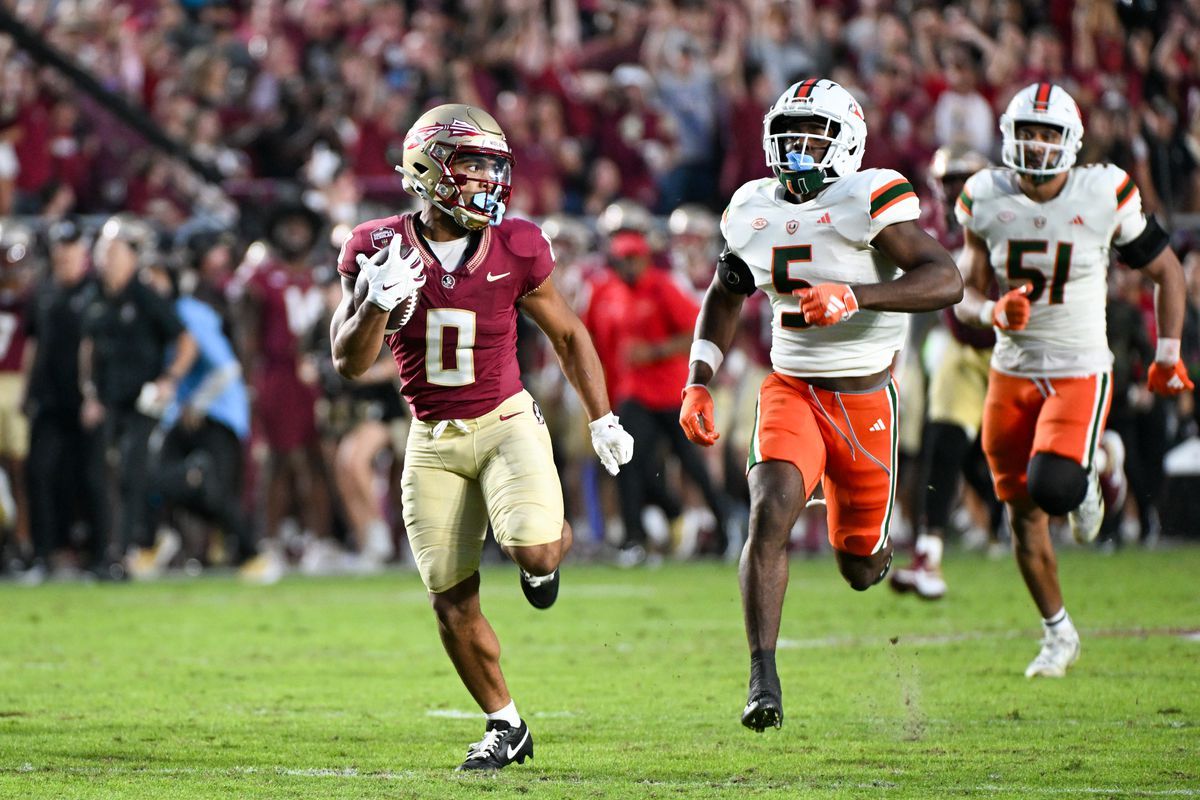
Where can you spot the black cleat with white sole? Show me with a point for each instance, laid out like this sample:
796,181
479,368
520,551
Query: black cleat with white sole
540,590
501,745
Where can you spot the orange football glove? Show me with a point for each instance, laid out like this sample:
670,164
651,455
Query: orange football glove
827,303
1169,381
696,415
1012,310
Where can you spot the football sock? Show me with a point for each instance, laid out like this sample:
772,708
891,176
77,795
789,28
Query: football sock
508,714
762,669
1059,621
931,548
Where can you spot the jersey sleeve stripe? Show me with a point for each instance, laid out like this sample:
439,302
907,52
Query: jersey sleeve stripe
967,204
1126,191
882,190
901,190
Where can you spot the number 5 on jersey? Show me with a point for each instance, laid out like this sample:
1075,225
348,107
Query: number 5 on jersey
782,259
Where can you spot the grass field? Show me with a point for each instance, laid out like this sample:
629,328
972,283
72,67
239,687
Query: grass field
632,684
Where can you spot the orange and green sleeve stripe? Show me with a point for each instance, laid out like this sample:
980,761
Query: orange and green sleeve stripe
966,204
1126,192
889,194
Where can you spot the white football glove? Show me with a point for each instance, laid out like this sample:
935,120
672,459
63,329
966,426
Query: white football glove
611,442
391,277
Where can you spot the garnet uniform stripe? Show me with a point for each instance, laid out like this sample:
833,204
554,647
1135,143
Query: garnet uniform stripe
805,89
1042,101
1125,191
889,195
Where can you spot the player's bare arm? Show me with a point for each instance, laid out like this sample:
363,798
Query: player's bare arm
1168,375
356,333
1170,293
717,323
977,272
577,356
930,280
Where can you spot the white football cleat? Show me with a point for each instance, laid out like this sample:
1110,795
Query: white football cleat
1087,518
920,577
1059,651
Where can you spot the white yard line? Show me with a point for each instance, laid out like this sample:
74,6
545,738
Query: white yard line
882,786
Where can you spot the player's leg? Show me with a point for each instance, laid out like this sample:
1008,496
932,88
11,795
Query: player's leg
355,478
1063,473
524,498
777,497
862,438
786,461
1010,424
446,519
956,396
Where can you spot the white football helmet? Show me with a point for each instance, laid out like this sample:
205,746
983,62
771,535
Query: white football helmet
845,135
1041,104
456,131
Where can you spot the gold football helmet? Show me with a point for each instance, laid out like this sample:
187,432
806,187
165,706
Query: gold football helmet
451,146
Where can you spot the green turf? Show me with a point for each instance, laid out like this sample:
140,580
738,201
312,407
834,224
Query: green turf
632,684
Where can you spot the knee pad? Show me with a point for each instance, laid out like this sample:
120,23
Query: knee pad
1056,483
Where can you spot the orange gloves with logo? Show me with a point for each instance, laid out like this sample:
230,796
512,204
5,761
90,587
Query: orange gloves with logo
1011,312
1169,380
696,415
827,303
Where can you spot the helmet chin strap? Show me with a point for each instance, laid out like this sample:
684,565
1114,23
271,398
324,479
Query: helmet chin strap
803,177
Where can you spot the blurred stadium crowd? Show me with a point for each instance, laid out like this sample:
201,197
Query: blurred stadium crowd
631,124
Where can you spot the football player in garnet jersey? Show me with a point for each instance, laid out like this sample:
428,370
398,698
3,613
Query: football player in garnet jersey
838,252
478,450
1044,228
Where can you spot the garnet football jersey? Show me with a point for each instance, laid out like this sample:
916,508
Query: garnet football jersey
458,354
290,304
1061,247
826,239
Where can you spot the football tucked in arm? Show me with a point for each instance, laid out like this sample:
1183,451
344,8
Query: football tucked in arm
400,315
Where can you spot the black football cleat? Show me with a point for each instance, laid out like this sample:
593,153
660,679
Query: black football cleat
501,745
763,710
540,590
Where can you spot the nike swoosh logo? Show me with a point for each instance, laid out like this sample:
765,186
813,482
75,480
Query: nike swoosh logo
388,288
509,416
492,277
512,751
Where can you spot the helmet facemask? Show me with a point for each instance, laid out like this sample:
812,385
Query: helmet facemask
488,171
1034,157
793,154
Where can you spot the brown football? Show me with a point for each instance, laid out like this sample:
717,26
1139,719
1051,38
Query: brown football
400,314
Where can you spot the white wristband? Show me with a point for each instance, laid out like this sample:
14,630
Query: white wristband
987,313
708,352
1167,352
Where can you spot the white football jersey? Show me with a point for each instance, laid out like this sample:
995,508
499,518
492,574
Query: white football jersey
1061,247
824,240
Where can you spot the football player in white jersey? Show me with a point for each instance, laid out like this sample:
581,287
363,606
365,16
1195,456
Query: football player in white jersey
1044,228
838,253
